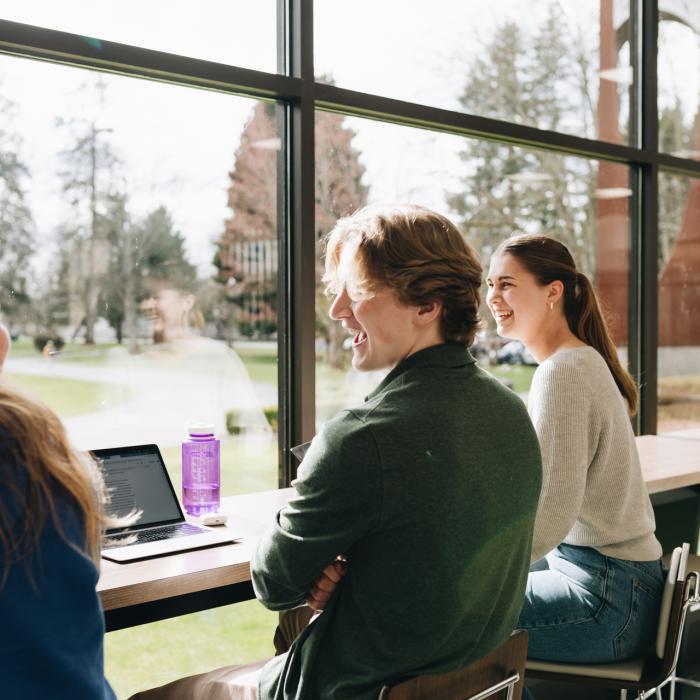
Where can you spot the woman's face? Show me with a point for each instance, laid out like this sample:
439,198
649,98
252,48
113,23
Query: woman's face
167,309
519,304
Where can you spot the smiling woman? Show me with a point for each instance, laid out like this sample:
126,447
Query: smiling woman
594,544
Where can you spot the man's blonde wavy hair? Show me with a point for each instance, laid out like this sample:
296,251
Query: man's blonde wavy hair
418,253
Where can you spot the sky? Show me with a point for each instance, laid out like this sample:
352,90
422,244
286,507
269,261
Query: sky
177,144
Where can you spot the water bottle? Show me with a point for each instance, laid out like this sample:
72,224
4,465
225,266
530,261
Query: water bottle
201,470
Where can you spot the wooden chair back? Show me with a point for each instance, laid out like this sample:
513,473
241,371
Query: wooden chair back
506,663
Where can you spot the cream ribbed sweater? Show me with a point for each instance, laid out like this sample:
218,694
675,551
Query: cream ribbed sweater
592,493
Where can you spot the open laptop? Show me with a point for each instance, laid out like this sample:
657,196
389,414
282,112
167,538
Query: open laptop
136,478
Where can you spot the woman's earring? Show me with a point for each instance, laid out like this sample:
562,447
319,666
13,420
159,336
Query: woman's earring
551,306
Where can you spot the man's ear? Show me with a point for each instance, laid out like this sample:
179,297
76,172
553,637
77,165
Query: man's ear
427,313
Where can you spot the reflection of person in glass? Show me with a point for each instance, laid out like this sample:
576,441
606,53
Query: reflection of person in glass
189,376
594,588
180,376
173,312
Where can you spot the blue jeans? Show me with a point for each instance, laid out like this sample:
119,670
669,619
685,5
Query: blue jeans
583,607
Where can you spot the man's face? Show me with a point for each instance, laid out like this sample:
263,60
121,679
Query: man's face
384,330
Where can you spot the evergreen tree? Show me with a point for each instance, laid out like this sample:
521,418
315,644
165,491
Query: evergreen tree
534,81
245,267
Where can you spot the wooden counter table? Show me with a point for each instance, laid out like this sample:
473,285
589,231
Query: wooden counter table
669,461
155,589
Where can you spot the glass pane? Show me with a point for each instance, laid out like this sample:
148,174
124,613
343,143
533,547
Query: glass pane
552,65
491,191
141,293
679,78
242,34
679,301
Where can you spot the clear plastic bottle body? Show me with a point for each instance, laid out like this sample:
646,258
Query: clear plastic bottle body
201,473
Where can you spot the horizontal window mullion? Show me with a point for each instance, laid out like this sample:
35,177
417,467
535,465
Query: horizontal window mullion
334,99
62,47
678,166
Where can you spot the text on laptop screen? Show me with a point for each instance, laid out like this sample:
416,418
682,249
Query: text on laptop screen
137,479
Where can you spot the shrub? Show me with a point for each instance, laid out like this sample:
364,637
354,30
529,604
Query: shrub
235,427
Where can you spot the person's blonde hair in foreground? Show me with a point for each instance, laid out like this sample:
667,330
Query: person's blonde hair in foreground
416,487
51,521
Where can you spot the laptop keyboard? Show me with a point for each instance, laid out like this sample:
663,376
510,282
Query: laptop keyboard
166,532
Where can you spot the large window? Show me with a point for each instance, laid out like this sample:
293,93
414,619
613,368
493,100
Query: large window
561,66
140,293
235,33
679,302
679,78
491,191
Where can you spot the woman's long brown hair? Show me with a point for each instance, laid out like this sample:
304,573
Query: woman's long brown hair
43,467
548,260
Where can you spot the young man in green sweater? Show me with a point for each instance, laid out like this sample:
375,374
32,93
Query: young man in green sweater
428,489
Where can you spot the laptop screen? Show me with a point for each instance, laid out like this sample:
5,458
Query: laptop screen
136,477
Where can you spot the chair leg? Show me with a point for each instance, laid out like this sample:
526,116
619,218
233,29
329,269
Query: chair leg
623,694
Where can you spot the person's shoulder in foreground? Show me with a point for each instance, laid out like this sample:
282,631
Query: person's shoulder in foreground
429,489
51,643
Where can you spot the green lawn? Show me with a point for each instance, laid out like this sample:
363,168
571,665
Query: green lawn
519,375
261,363
70,352
144,657
67,397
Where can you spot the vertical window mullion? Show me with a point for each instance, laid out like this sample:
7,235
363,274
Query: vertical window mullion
647,285
297,321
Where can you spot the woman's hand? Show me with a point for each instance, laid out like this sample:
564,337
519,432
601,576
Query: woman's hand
326,584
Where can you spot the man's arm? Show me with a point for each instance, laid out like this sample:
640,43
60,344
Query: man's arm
338,501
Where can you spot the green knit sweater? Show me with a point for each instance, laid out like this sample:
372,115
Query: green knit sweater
430,489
